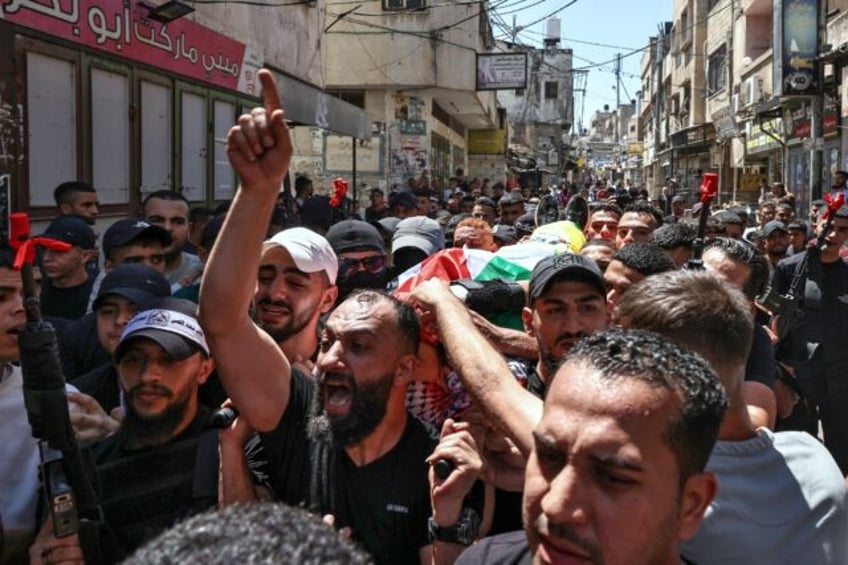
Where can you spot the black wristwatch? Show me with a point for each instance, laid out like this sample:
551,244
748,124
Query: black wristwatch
464,532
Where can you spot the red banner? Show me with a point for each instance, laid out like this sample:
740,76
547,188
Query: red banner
123,29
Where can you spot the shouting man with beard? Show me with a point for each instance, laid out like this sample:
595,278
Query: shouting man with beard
341,444
155,470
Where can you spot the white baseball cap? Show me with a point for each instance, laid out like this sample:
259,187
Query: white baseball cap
310,251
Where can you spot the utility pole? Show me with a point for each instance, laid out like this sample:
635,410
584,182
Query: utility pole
617,80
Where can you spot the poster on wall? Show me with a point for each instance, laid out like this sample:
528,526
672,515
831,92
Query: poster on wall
501,71
408,108
795,61
338,154
408,155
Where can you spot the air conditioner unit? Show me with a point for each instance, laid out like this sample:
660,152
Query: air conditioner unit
753,91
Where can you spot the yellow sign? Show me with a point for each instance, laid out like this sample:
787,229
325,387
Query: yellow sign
750,182
758,140
486,141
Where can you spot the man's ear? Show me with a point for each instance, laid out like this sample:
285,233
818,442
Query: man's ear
527,320
89,255
698,491
405,370
328,299
65,209
206,368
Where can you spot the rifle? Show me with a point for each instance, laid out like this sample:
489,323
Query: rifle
787,306
709,190
69,490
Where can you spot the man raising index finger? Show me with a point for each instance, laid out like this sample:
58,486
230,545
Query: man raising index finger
260,151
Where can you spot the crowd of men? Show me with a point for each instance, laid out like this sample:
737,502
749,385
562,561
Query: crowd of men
663,395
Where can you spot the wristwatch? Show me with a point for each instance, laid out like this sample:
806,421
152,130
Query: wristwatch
464,532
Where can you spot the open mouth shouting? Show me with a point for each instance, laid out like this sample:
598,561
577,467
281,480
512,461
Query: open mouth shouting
337,392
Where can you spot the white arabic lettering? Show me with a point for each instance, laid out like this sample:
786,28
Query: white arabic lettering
54,11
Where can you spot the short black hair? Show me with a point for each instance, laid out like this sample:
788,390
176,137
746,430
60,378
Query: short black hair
374,191
728,218
199,213
166,194
510,199
301,183
642,207
604,207
645,258
672,236
743,252
486,201
250,533
616,355
62,194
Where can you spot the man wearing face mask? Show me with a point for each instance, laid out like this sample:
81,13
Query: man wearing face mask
362,256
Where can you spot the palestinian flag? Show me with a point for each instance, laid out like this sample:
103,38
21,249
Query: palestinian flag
511,263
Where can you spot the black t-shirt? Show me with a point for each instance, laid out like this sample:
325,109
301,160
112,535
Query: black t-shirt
79,347
385,503
102,385
535,384
825,323
504,549
761,366
145,491
69,303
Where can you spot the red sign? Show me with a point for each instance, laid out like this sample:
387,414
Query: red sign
123,28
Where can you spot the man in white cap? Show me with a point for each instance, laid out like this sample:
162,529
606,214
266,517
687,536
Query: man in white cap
296,286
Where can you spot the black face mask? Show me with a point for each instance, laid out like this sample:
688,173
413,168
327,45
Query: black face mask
362,279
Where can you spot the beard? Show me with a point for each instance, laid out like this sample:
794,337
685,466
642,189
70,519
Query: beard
367,409
141,430
551,361
294,326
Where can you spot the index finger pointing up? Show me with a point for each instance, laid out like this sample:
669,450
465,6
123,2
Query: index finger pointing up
270,96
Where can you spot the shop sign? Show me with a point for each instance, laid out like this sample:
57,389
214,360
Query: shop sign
182,46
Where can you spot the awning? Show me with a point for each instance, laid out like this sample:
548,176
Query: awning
308,105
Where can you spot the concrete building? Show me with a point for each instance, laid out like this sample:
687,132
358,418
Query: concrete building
541,116
689,86
104,92
413,70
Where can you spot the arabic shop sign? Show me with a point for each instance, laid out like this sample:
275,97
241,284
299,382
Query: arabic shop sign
181,46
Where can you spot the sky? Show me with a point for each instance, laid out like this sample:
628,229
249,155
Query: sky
620,26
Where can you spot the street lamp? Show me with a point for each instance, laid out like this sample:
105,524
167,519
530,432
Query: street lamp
169,11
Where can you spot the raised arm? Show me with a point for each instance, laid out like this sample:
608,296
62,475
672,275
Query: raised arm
253,370
483,370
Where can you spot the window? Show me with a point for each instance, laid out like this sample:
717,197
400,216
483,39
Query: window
193,134
126,130
110,135
404,5
156,124
519,92
717,71
551,90
52,89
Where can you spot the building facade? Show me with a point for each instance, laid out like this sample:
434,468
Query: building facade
104,92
